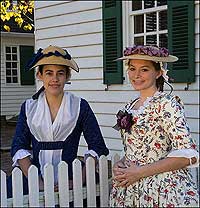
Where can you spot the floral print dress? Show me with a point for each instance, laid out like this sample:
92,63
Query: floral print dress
159,131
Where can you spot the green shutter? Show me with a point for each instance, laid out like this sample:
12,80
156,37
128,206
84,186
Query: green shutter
26,53
181,40
112,42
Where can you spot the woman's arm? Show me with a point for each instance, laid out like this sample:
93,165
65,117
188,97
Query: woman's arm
91,131
134,172
24,164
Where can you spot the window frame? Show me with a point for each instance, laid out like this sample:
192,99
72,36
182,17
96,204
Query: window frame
18,66
145,11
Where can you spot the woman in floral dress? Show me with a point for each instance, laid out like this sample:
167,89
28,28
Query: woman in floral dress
159,150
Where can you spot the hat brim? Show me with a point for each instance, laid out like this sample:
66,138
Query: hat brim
167,59
56,60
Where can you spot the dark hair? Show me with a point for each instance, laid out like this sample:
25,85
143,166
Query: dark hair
160,81
68,71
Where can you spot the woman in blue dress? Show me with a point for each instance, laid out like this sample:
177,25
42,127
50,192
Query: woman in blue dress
50,124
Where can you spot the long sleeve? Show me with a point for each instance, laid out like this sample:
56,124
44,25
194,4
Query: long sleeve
22,137
92,133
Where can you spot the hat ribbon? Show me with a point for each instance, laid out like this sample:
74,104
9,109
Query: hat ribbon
39,55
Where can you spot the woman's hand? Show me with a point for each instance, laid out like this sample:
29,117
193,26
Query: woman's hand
118,164
127,176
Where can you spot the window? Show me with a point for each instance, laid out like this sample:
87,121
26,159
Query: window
12,57
148,22
16,58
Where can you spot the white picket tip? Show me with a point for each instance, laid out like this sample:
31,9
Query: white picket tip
77,183
63,184
91,184
17,186
114,159
3,190
33,186
103,175
49,185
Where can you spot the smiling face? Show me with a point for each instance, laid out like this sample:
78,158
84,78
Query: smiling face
142,75
54,78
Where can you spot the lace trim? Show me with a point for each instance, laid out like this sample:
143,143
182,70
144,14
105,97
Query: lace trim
140,110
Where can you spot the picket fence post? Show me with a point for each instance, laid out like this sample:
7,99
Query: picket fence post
49,185
91,183
63,184
33,186
17,187
3,190
77,183
103,175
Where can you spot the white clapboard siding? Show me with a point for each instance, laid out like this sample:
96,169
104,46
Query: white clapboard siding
69,19
12,95
87,74
72,41
65,8
68,30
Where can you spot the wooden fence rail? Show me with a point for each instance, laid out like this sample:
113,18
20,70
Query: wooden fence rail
63,196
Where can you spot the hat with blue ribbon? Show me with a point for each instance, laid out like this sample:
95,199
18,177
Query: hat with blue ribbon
52,55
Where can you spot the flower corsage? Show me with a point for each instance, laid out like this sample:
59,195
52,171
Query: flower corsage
124,121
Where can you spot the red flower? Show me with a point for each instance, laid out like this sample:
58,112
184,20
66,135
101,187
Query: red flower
166,191
178,137
129,140
193,146
191,193
157,145
135,119
147,198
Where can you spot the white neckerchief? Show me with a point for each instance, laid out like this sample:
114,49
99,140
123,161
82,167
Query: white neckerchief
42,128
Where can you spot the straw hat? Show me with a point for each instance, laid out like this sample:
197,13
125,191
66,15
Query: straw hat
151,53
52,55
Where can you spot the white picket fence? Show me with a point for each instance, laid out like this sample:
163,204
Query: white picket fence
64,196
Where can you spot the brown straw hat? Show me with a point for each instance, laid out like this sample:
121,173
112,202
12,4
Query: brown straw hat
151,53
52,55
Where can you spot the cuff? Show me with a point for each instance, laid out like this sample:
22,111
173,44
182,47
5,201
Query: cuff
188,153
20,154
92,153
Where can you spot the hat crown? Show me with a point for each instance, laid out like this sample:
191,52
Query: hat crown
52,49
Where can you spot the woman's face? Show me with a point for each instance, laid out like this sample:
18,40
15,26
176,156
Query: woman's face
53,78
143,75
